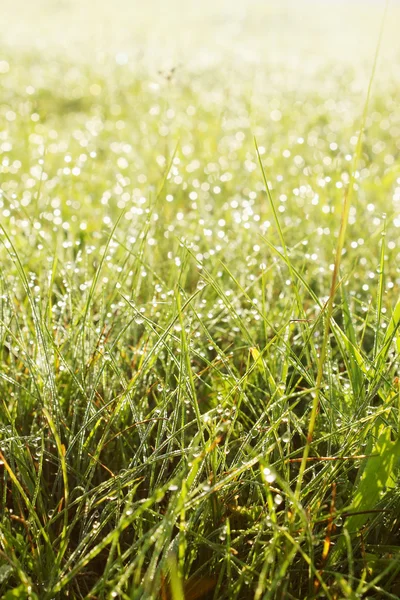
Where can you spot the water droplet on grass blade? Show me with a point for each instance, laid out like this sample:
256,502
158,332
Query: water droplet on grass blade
269,475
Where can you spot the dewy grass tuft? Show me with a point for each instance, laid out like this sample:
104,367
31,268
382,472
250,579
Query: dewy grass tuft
199,364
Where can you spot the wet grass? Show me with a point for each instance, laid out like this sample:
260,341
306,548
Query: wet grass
189,408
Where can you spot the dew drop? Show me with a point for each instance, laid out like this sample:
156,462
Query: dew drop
269,475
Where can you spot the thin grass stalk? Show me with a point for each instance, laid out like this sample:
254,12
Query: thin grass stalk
335,275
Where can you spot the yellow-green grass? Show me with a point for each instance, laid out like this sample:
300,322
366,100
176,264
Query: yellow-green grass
191,405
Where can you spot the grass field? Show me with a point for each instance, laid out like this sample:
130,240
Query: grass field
199,303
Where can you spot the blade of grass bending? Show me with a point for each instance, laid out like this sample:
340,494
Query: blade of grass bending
335,275
285,253
186,355
61,452
352,365
280,233
32,512
391,331
380,290
50,400
94,284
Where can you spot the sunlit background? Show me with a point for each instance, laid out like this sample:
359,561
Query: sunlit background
171,32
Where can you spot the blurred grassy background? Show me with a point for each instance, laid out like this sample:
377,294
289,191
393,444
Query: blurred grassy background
297,33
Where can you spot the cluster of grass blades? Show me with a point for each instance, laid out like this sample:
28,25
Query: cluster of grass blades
184,413
128,474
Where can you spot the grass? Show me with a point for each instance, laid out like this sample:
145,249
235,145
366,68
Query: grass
187,410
